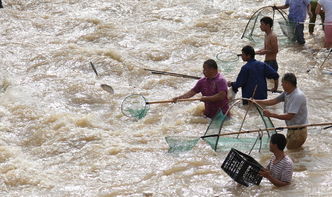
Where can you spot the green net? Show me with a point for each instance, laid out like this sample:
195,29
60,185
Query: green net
282,29
134,106
227,61
288,29
180,143
220,143
184,143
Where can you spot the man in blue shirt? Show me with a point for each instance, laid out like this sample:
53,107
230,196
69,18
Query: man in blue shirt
254,73
297,15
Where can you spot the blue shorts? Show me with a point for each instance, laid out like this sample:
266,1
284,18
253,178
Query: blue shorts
273,64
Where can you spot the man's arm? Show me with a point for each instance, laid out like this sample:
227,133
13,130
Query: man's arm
275,88
281,7
217,97
318,9
241,80
188,94
287,116
265,173
267,102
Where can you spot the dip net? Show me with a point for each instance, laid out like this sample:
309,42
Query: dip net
179,144
281,26
244,142
134,106
227,61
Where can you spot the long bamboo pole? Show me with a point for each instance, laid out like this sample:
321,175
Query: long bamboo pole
269,129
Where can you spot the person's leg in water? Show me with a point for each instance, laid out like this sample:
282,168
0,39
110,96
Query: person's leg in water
1,4
313,17
299,34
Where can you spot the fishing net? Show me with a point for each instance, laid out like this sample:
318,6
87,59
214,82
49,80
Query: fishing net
282,28
180,143
184,143
227,60
288,29
135,106
219,143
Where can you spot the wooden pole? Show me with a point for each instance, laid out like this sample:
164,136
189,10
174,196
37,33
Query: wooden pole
269,129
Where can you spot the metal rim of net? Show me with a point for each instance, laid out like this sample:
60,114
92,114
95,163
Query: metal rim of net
134,106
227,56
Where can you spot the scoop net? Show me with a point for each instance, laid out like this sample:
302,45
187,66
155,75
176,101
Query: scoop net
134,106
219,143
282,28
179,144
227,60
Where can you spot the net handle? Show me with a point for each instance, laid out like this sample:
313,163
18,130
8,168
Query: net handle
157,72
277,128
172,101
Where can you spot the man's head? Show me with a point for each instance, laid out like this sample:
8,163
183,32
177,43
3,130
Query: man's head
278,142
210,68
266,23
288,82
248,53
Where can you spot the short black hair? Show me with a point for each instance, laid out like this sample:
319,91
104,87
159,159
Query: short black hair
211,64
248,50
291,78
280,140
267,20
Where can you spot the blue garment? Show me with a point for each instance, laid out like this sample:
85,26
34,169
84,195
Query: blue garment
254,73
297,10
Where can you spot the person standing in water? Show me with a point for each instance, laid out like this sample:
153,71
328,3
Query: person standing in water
252,74
295,110
279,171
313,17
213,88
297,14
270,49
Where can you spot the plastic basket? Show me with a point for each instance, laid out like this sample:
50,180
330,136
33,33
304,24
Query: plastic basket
242,168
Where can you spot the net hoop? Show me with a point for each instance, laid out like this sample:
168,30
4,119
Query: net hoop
134,106
227,57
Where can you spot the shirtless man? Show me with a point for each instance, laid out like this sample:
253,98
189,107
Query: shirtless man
270,49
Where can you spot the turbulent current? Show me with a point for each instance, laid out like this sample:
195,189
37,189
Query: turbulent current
61,134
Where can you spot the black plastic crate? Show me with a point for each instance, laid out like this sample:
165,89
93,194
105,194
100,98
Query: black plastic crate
242,168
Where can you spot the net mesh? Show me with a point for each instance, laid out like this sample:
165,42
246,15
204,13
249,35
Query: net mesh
283,29
180,143
227,61
220,143
134,106
288,29
184,143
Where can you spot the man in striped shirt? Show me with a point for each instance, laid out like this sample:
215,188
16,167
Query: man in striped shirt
279,171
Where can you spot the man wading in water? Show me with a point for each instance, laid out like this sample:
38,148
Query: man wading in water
295,110
270,49
279,171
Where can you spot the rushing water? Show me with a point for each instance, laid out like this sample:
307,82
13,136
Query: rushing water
62,135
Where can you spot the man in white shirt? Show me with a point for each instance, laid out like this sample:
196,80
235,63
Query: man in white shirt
295,110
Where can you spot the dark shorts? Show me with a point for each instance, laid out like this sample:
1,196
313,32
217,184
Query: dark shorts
273,64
